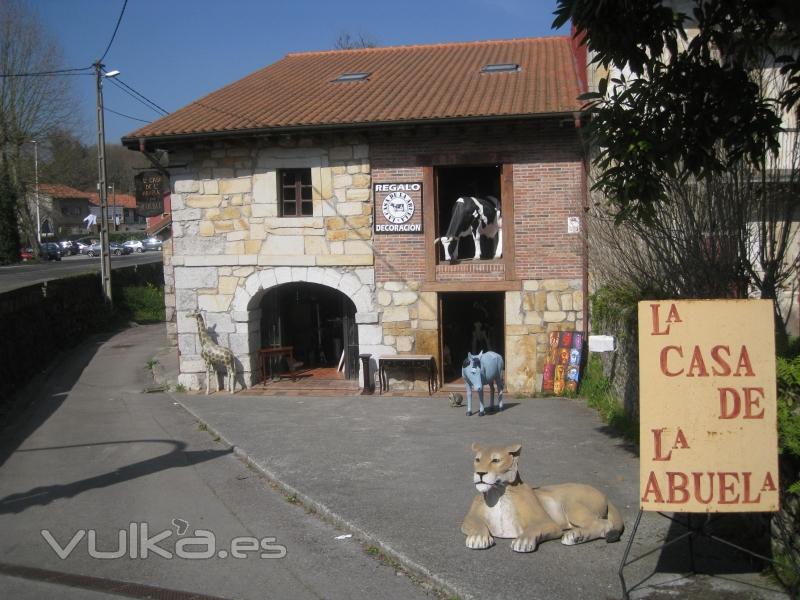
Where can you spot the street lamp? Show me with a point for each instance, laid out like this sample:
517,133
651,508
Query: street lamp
105,259
114,217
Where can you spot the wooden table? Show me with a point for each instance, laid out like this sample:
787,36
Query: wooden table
425,361
267,354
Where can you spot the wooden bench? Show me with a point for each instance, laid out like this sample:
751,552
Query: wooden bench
424,361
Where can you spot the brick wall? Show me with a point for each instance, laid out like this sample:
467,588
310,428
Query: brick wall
547,171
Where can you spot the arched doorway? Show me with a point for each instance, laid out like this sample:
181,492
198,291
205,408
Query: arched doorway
318,322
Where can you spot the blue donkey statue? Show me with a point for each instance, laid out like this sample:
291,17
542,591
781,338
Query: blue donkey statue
478,370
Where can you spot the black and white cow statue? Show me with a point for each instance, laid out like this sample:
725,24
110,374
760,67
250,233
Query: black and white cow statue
476,217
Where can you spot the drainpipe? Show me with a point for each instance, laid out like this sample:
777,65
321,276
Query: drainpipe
584,229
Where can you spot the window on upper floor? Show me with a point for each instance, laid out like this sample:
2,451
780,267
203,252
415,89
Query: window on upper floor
71,211
295,193
471,184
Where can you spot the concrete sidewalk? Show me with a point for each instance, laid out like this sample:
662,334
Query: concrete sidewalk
398,473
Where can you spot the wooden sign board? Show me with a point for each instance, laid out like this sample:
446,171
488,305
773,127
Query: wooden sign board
708,414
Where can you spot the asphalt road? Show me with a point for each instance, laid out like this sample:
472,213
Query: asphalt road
28,273
131,475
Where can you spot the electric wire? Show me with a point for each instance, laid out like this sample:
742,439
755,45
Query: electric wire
114,81
124,115
142,96
113,35
46,73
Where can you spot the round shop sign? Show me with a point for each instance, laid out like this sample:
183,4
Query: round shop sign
398,207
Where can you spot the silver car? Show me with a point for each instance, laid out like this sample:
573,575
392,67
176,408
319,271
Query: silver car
135,245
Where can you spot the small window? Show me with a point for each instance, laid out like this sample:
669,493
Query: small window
295,193
501,68
352,77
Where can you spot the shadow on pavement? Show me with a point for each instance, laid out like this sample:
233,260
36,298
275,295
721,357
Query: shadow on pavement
38,400
176,458
696,555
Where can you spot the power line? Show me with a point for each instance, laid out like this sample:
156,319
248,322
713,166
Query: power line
113,35
139,100
117,81
124,115
45,73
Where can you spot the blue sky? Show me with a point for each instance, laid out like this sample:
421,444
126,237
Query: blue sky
176,51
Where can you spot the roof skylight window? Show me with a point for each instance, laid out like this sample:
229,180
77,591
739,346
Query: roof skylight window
362,76
501,68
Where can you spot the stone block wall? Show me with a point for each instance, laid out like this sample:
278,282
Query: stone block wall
230,245
225,206
409,324
540,307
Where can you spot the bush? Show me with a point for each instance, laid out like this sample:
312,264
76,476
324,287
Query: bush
786,544
597,390
145,304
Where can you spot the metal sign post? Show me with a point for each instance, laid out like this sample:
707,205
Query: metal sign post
707,415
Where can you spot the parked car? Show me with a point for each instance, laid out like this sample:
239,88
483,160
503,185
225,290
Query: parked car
51,251
85,242
69,247
118,249
91,248
135,245
152,243
113,248
26,254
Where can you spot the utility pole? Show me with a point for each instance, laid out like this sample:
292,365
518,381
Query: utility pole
36,184
105,259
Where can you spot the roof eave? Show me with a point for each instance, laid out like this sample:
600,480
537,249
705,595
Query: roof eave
134,143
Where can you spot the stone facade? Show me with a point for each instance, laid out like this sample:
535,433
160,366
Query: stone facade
230,246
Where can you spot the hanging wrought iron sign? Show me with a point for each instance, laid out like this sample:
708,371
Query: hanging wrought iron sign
150,189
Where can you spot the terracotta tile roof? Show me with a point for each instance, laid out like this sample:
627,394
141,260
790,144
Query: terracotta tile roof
57,190
406,83
158,225
124,200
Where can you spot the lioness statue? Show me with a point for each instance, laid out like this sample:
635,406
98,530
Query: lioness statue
508,508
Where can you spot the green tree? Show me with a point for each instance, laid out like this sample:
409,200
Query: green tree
682,105
9,231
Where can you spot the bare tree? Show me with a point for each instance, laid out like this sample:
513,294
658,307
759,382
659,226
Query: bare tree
732,236
32,101
348,41
30,106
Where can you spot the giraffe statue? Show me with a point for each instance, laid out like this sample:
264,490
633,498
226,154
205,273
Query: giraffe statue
214,355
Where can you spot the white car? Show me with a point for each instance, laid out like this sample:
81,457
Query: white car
135,245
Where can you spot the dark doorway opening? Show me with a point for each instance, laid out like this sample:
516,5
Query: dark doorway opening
471,322
318,323
454,182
